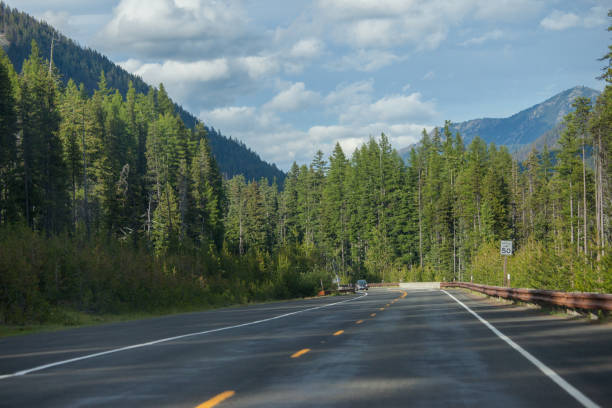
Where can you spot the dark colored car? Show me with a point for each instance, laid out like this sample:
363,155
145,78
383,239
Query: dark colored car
361,285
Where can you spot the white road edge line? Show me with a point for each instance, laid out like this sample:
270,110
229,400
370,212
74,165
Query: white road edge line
182,336
570,389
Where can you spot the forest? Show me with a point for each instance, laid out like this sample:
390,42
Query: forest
83,66
110,203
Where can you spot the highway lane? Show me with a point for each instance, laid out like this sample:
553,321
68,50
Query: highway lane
421,349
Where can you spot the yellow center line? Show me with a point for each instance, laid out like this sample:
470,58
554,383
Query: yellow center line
339,332
217,399
373,314
299,353
359,322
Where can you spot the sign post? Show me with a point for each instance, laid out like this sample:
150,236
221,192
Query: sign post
506,250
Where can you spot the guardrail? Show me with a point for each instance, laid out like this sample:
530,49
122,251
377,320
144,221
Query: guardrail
575,300
346,288
383,285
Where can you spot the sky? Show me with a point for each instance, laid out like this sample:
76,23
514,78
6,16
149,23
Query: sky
289,78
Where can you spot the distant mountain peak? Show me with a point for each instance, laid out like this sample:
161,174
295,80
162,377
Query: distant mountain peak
526,126
534,126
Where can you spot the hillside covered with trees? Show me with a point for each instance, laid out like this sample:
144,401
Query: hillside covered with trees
84,65
110,203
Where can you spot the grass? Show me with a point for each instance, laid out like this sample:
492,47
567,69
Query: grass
74,318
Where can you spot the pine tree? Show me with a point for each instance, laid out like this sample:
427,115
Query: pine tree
166,221
255,220
44,171
581,118
207,195
235,222
71,130
334,205
8,141
164,104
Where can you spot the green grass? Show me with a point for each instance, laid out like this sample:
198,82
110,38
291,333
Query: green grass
72,318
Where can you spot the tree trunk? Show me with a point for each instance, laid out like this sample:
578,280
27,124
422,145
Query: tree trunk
584,203
240,247
85,192
571,213
420,225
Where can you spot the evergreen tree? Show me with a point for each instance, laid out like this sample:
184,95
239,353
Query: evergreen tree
166,221
44,171
208,195
235,221
8,141
334,209
581,118
71,130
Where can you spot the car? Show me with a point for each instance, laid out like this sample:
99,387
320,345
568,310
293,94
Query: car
361,285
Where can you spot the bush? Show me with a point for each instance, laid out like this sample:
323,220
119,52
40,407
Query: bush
41,276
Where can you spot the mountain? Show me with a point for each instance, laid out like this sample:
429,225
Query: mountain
533,127
83,65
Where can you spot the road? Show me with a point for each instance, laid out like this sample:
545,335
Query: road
390,348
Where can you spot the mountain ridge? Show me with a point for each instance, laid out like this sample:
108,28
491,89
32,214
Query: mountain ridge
531,127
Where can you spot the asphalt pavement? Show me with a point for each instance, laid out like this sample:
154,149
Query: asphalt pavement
389,348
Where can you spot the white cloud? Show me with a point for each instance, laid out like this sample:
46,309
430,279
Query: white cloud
173,28
595,17
403,108
358,117
69,21
422,24
308,48
491,35
391,109
293,98
71,6
505,10
558,20
366,60
58,19
193,84
258,66
352,137
237,118
350,94
176,71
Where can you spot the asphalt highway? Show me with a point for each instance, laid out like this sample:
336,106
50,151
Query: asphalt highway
389,348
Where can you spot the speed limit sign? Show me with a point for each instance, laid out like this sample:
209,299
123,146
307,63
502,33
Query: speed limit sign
506,248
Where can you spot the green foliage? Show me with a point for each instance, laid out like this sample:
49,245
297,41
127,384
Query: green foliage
8,139
42,276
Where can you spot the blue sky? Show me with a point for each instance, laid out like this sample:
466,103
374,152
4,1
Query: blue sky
291,77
